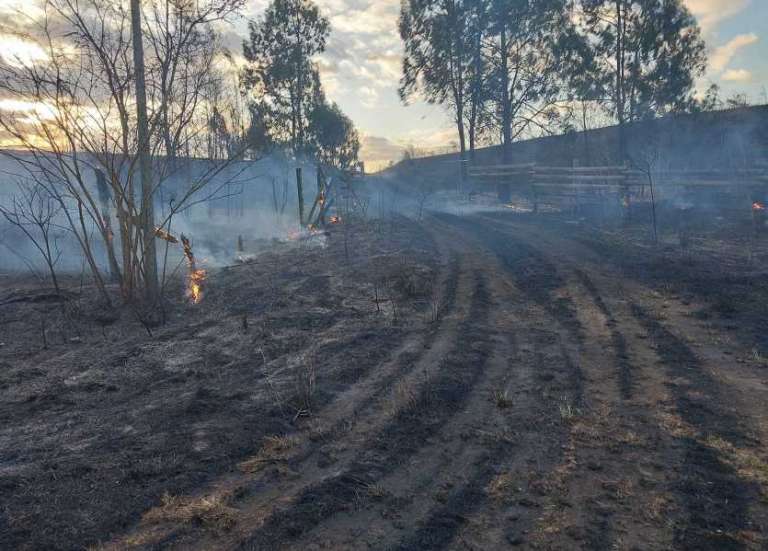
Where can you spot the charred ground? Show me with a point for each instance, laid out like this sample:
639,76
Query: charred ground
484,381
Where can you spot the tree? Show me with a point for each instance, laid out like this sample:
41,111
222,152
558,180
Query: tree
34,212
648,54
479,118
711,100
335,141
529,56
438,57
147,221
281,76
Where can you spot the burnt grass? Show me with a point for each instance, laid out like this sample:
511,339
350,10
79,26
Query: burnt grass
715,498
99,424
732,292
431,407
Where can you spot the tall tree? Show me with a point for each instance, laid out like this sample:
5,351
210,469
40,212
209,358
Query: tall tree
648,54
281,73
528,55
438,57
478,116
151,283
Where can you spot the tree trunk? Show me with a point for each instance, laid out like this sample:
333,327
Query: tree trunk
506,110
477,78
145,168
620,107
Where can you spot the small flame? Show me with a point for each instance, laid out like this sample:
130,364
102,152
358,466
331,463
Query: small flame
196,277
196,280
758,206
335,219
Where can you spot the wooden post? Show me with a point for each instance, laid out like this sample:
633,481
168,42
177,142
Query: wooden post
300,190
320,179
321,195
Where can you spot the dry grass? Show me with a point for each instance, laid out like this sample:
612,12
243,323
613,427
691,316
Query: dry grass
568,412
745,461
209,512
406,398
619,489
658,508
376,491
275,449
501,487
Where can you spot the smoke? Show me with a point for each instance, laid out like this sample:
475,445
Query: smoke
250,203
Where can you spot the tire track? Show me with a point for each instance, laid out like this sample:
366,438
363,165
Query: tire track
716,499
444,395
713,496
358,403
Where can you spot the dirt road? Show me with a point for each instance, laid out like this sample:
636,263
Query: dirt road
553,403
546,395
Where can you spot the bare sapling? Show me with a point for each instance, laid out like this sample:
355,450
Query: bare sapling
90,82
34,213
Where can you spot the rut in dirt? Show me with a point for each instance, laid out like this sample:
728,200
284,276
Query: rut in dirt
404,362
439,399
537,279
715,498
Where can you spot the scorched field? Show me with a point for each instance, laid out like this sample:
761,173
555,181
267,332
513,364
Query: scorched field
487,381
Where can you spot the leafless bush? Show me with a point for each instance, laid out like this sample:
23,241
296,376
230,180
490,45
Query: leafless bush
33,211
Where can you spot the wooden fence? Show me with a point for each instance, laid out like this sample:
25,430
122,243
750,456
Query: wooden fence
537,182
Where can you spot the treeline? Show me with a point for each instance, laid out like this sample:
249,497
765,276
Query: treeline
511,68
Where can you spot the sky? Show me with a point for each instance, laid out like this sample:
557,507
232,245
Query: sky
361,66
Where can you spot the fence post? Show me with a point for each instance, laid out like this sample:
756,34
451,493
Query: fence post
300,190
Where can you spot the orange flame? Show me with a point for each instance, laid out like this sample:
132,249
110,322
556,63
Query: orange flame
195,290
196,277
757,206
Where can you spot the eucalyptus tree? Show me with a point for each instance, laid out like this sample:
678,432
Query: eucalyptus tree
647,55
438,57
335,141
530,57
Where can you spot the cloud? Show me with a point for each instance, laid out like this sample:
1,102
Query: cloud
378,151
737,75
722,55
431,138
19,52
711,12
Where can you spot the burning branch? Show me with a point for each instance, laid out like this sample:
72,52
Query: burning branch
196,277
160,233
